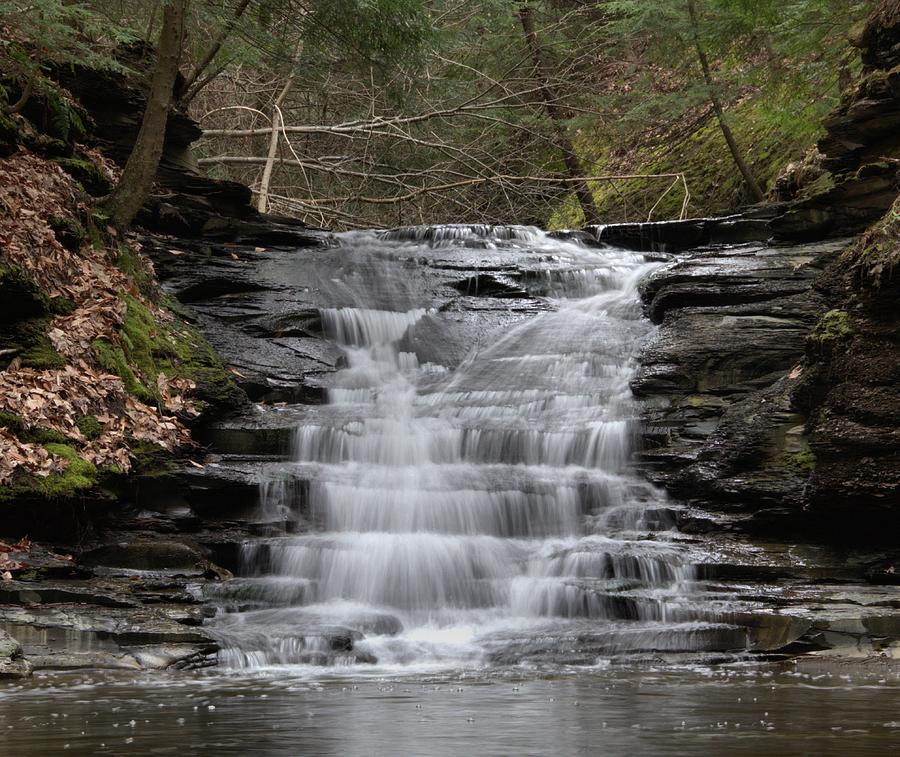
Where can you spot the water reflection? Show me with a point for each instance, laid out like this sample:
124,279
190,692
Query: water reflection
751,711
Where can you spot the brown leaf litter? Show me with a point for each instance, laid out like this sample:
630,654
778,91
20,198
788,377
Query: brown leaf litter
32,190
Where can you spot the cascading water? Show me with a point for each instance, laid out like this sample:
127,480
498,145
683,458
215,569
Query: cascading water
468,513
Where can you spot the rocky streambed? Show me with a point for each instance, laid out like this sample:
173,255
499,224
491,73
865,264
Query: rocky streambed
721,431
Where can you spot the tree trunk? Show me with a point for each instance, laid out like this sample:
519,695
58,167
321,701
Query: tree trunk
742,166
189,89
140,171
557,117
262,203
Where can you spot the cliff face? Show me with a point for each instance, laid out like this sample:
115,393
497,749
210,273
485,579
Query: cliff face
851,391
772,387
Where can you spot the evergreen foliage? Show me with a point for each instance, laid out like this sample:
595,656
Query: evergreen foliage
475,140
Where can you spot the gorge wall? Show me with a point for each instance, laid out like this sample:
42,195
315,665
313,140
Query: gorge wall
772,386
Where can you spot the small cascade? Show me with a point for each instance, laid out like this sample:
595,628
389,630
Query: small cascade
462,234
469,513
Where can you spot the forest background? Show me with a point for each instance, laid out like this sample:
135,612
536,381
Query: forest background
360,113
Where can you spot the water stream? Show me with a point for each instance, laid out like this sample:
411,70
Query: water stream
476,513
459,553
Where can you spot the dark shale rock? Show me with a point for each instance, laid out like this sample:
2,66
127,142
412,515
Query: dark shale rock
145,555
852,204
71,636
491,285
717,380
672,236
852,391
773,385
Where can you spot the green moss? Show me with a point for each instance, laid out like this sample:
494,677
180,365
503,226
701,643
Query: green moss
47,147
61,305
69,233
129,263
35,348
834,325
800,462
113,360
89,426
78,475
11,421
174,348
20,296
149,459
87,174
36,434
44,436
96,225
875,257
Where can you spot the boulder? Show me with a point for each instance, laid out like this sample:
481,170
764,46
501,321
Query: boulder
12,662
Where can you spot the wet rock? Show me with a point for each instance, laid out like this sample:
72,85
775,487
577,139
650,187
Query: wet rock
175,657
672,236
31,593
886,573
770,631
586,237
145,555
249,302
63,627
490,285
720,424
12,661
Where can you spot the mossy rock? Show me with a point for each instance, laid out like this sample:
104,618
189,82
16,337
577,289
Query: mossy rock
148,347
800,462
36,434
149,459
48,147
28,340
19,294
129,263
61,305
77,479
113,360
10,135
89,426
25,317
86,173
833,326
69,233
11,422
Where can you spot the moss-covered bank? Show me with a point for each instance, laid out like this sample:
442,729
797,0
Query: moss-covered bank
79,305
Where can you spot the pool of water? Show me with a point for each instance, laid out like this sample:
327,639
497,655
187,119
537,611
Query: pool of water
739,710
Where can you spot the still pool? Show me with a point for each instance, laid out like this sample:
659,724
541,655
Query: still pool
840,709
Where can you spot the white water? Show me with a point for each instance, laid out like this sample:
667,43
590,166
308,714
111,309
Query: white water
483,513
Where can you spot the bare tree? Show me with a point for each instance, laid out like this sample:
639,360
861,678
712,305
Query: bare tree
557,116
140,171
755,190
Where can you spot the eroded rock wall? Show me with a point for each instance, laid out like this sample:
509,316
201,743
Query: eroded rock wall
771,389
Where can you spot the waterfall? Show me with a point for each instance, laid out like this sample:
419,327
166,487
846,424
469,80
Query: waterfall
457,511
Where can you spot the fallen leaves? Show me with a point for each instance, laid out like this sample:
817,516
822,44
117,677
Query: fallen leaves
32,191
31,457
